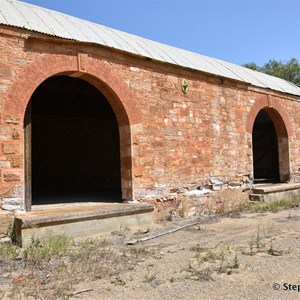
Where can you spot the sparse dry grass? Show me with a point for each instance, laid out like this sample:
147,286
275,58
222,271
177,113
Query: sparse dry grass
210,261
50,269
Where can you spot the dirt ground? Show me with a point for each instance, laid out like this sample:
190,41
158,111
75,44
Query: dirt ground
247,256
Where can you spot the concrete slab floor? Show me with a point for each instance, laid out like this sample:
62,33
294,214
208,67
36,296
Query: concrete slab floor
275,192
274,187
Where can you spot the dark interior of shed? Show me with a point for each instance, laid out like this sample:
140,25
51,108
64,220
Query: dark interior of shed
265,150
75,150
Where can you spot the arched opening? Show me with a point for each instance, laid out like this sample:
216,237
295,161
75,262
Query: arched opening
72,144
265,142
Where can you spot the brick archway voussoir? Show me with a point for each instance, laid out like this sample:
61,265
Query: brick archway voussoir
99,74
265,103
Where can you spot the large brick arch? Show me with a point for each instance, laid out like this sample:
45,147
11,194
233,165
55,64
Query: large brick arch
97,73
282,127
276,112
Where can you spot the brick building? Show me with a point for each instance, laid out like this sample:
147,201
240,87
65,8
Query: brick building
91,113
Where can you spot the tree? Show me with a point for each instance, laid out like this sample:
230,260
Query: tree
252,66
289,71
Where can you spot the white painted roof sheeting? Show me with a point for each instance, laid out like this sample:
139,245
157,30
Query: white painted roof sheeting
31,17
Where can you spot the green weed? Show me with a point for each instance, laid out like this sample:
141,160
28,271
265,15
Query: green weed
182,211
274,205
9,251
45,250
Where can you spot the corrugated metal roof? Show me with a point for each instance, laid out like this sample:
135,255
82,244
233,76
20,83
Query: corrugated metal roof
31,17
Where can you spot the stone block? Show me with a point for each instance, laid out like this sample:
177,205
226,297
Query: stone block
9,119
10,148
17,191
10,176
5,164
12,204
5,134
16,161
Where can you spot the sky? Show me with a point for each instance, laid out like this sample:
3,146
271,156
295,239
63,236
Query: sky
237,31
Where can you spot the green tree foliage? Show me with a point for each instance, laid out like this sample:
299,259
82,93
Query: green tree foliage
289,71
252,66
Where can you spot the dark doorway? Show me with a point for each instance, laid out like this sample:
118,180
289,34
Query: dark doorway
265,150
75,149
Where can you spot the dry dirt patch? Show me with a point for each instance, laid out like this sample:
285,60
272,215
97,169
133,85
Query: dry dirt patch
218,258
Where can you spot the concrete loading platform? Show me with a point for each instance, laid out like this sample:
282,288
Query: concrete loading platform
275,192
81,220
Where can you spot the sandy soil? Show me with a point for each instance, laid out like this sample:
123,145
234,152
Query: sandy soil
220,258
238,257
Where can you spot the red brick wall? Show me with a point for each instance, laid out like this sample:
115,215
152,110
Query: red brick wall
169,140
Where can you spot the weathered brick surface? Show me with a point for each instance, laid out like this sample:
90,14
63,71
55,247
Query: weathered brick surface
16,161
10,148
169,140
11,175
